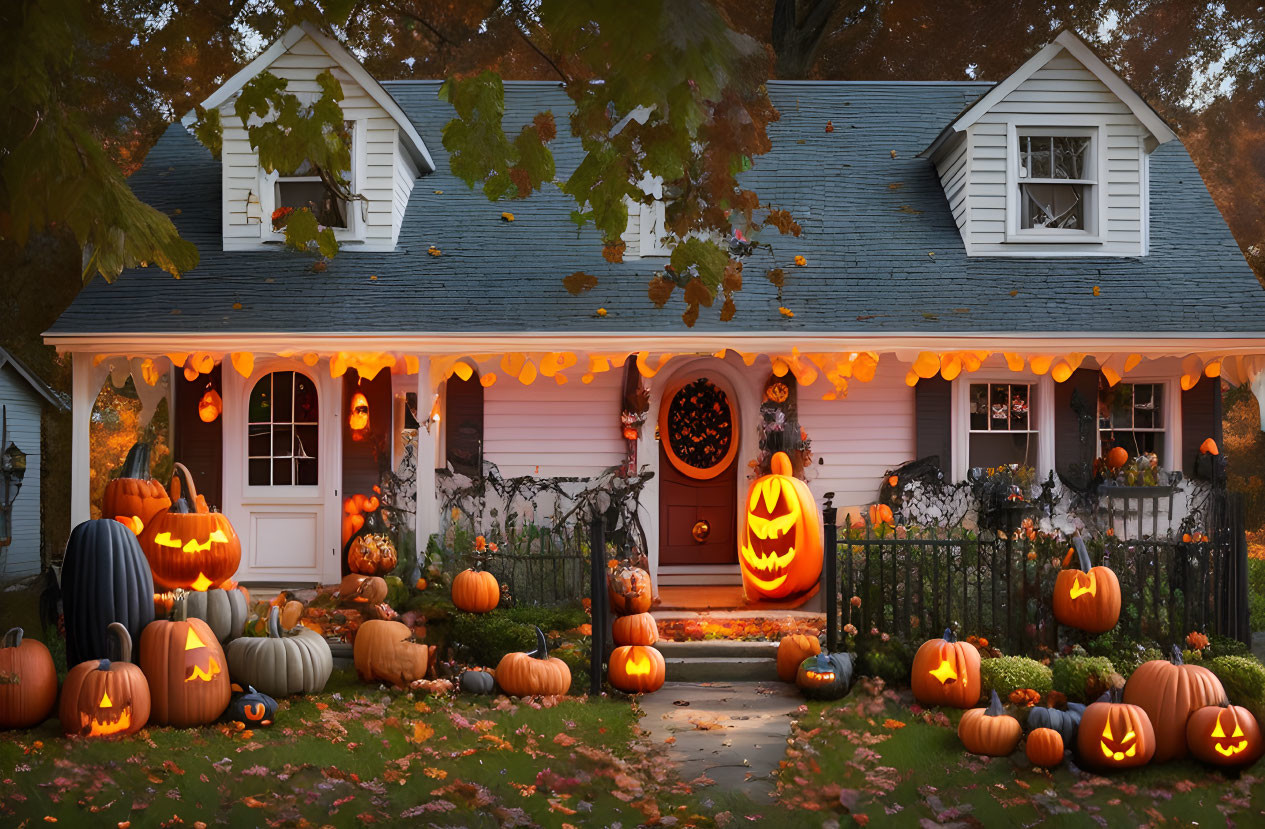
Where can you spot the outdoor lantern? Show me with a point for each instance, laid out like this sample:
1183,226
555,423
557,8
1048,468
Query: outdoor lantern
210,406
12,470
358,416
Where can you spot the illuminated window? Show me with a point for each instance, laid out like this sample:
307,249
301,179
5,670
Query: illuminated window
283,431
1132,415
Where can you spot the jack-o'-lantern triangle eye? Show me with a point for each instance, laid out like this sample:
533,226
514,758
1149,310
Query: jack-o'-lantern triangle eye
1106,730
1217,731
218,536
193,641
105,700
1238,730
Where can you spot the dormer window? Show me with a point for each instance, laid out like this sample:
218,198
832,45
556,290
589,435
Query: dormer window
1056,184
303,188
284,192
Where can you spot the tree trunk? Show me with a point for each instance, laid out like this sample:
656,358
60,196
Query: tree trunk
798,29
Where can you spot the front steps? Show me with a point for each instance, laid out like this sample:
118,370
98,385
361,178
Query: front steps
719,660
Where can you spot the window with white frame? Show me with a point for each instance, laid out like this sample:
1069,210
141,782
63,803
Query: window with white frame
283,427
1002,425
304,187
1057,178
1132,415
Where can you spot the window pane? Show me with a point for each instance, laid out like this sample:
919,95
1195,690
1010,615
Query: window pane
305,409
282,402
1052,206
1019,406
329,210
1136,443
305,472
1069,157
260,395
999,407
979,407
282,440
1036,152
258,474
281,453
999,449
281,474
260,443
305,442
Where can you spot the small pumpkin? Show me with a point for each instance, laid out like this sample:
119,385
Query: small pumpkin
252,708
385,651
629,590
286,662
371,554
881,514
185,666
1087,599
1224,735
358,589
291,613
28,681
779,539
187,545
1115,734
1169,692
477,681
104,698
825,676
475,591
635,669
990,731
224,611
1044,747
792,651
533,673
105,579
1117,457
1064,722
946,672
637,629
133,497
1209,447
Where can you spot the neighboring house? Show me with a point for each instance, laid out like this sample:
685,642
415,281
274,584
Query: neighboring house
987,265
23,398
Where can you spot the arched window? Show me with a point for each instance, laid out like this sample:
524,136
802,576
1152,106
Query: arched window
283,431
463,429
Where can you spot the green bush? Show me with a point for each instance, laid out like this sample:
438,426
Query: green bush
1079,676
1256,592
1004,674
483,638
1244,681
1219,645
892,660
1125,653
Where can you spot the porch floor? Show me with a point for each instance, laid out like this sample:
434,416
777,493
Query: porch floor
722,597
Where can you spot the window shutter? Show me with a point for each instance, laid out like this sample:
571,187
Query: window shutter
463,428
933,421
1075,427
1201,419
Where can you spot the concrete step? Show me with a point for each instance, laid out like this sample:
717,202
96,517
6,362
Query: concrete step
739,669
717,649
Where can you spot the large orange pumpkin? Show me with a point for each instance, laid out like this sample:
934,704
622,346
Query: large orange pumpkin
1224,735
636,669
1115,735
946,672
475,591
637,629
133,497
387,651
792,651
28,681
186,669
371,554
101,698
629,589
990,731
187,545
779,536
1169,692
534,673
1087,599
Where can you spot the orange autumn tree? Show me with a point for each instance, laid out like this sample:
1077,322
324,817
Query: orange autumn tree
114,426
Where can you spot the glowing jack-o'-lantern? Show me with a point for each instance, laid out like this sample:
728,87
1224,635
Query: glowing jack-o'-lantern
210,405
1087,599
825,675
1224,735
637,669
779,539
184,664
1169,691
946,672
102,698
358,416
187,545
1114,735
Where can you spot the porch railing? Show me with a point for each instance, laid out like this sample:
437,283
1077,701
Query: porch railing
913,583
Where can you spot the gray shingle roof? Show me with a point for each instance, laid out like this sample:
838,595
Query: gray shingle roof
884,255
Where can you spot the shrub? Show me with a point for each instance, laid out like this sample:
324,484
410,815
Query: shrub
1083,678
1125,653
1256,592
1219,645
483,638
1244,681
892,660
1004,674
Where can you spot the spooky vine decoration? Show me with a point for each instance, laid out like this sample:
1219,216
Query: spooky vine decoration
779,429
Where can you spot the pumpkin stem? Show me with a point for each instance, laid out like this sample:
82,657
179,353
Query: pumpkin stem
542,647
948,636
179,607
122,640
274,623
13,638
1177,655
188,482
995,708
1082,552
136,465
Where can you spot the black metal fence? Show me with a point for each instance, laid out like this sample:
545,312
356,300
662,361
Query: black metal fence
915,583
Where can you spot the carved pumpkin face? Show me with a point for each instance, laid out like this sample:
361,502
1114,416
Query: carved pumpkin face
252,708
637,669
1087,599
190,547
371,554
185,667
209,406
825,675
101,698
946,672
1224,736
1114,735
779,541
358,416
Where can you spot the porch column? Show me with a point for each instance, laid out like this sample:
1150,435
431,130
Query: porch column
82,398
427,516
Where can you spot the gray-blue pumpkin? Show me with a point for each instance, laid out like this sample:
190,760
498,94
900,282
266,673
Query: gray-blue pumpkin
252,708
1064,722
825,676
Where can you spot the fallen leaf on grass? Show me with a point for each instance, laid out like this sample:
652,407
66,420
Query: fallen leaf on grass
421,732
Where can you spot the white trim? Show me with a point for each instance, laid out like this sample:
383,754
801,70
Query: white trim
1040,416
355,230
408,133
426,517
1172,414
1096,207
82,399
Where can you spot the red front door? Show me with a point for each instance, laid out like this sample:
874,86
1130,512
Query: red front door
698,473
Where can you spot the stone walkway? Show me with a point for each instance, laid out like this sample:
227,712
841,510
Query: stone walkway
731,732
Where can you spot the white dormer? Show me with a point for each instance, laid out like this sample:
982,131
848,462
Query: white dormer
647,234
1052,161
387,153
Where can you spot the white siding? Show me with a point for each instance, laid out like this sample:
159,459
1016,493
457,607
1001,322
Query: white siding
22,406
550,430
381,172
1062,93
859,437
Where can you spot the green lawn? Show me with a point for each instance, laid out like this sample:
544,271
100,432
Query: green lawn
852,757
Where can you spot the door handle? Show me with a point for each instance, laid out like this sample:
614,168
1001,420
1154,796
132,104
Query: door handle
701,530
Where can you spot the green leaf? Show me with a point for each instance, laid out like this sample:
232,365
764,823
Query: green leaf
209,130
301,229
